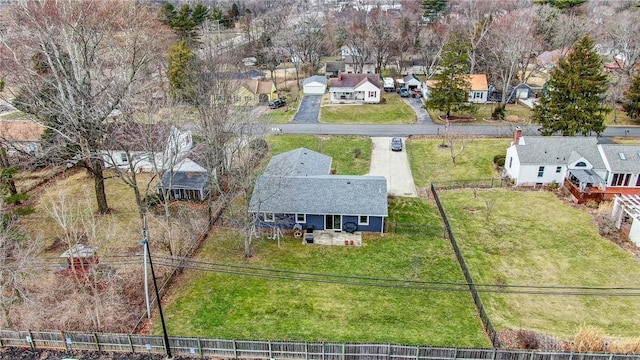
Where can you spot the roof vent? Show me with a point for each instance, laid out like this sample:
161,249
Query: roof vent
622,157
348,182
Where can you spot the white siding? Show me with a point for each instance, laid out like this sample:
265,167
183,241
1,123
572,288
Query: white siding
314,88
371,92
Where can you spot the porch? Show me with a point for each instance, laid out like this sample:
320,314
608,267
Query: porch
347,97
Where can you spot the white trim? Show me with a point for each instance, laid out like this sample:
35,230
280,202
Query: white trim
268,217
304,219
363,222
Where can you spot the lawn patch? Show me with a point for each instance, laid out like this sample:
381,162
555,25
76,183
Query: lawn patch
220,305
351,154
431,163
394,111
532,238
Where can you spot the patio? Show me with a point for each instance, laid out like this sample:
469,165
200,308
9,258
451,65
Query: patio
338,238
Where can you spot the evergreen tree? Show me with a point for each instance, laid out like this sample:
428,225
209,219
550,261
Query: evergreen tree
632,105
180,59
573,103
434,9
562,4
451,91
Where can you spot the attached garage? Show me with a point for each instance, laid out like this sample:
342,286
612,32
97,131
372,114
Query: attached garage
315,85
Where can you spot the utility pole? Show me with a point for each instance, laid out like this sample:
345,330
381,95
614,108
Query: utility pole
167,348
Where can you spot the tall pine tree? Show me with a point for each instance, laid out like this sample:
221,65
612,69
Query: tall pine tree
632,105
434,9
573,103
451,89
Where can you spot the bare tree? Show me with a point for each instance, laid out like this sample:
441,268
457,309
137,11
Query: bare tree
623,31
381,38
355,35
16,271
513,48
432,42
77,63
304,43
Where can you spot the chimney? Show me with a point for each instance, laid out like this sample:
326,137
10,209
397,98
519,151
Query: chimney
340,75
516,135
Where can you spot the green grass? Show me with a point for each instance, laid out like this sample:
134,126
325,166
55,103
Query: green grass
430,163
484,111
532,238
280,116
394,111
343,149
207,304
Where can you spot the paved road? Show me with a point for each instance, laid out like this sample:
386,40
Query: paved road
429,129
309,110
394,166
422,116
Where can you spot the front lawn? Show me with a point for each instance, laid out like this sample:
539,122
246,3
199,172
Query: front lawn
236,306
431,163
484,111
280,116
394,111
351,154
532,238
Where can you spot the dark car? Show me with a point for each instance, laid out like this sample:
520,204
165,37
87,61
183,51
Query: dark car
277,103
404,93
396,144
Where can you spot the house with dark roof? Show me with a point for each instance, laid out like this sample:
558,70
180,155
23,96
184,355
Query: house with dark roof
355,89
297,189
589,170
187,180
145,147
333,68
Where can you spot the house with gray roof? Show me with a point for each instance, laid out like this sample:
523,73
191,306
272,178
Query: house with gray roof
591,171
315,85
187,180
298,189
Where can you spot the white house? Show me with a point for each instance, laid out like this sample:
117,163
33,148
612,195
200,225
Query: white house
355,88
145,147
592,171
315,85
411,82
478,91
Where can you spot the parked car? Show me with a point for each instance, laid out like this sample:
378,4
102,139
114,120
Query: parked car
416,93
396,144
277,103
404,93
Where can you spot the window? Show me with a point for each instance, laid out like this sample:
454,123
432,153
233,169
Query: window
363,220
373,94
124,158
558,169
581,164
236,98
541,171
510,162
620,179
301,218
247,98
477,95
268,217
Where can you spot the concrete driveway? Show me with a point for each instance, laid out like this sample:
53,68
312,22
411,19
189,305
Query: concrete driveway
393,165
308,110
421,113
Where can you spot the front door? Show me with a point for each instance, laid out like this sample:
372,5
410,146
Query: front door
333,222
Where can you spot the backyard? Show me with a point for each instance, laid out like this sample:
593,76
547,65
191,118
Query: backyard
215,304
392,110
513,237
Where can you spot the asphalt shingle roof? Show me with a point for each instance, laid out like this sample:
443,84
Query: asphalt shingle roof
298,182
316,78
631,154
325,194
548,150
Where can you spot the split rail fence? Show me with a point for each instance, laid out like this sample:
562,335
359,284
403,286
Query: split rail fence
274,350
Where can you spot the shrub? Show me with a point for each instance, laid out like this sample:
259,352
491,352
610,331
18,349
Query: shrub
498,112
499,160
553,185
592,204
383,101
527,339
357,152
589,339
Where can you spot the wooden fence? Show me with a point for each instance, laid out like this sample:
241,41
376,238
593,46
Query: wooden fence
271,350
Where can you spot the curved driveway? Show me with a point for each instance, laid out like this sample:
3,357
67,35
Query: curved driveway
422,116
394,166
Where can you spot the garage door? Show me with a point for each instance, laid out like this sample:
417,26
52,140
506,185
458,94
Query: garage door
314,89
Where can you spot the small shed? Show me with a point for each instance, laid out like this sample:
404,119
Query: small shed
80,257
315,85
186,181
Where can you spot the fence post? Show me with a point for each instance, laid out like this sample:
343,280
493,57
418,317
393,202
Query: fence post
455,353
343,351
64,341
200,347
323,350
95,338
235,350
130,342
417,352
388,351
32,343
270,351
306,350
